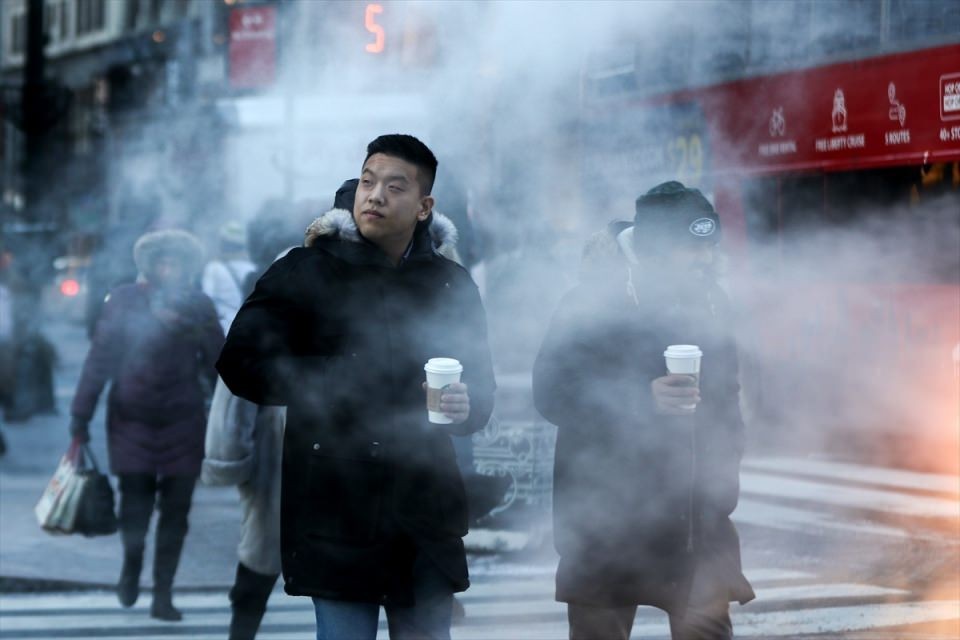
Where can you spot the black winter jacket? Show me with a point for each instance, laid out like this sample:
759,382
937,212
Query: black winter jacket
340,336
639,498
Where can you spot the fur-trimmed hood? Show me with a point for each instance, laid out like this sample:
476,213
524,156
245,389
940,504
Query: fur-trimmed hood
608,251
339,223
177,242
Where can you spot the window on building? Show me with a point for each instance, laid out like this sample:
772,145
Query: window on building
18,32
721,46
778,32
64,26
916,22
91,16
837,29
55,23
133,14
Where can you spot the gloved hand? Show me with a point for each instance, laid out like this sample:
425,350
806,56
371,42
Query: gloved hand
79,429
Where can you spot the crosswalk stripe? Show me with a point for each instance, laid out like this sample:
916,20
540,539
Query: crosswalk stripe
481,570
850,497
851,618
895,478
198,613
98,600
759,575
507,608
796,593
805,520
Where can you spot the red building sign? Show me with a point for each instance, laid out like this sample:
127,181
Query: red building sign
890,110
253,47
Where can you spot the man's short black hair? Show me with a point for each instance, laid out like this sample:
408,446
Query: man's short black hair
406,147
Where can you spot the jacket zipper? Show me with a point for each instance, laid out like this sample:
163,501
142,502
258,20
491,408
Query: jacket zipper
693,451
693,481
632,292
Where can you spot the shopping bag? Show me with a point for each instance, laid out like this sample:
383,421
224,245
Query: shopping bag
45,507
64,512
95,514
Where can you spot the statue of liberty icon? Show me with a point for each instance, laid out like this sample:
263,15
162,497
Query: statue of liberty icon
839,112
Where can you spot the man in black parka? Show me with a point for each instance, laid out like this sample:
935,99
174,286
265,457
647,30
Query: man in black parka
373,507
644,487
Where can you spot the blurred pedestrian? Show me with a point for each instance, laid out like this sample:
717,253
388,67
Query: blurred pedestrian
7,359
27,357
111,263
6,341
647,464
373,508
224,277
243,448
155,342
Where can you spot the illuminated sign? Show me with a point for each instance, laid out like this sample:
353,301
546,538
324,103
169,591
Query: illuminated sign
253,47
370,23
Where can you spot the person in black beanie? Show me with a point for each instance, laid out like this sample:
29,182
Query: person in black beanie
644,485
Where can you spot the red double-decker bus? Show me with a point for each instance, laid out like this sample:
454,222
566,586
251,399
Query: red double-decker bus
838,187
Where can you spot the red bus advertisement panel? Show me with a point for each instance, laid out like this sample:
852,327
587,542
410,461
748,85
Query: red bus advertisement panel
890,110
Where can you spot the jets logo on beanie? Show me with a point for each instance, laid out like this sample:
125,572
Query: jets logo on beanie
671,214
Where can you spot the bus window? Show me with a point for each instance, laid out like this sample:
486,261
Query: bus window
882,226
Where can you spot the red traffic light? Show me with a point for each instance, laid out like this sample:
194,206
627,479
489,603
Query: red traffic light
70,287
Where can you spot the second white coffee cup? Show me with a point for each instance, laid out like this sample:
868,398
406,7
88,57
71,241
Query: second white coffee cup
440,373
684,359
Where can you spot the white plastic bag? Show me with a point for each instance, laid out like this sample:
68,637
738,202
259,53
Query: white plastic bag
63,482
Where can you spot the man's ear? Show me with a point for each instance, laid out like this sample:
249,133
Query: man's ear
426,207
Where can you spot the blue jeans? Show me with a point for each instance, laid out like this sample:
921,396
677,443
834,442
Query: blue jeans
427,619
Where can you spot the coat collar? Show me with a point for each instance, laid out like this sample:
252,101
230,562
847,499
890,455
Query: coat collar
337,231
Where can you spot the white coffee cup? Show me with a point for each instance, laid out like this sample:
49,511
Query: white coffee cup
440,373
684,359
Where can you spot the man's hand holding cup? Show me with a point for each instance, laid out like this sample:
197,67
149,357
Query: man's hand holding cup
678,392
448,399
455,402
675,394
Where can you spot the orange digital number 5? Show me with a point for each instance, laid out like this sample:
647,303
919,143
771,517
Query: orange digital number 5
370,22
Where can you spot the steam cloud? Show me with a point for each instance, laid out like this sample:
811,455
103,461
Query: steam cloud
500,104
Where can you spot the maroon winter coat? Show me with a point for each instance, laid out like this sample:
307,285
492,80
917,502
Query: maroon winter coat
155,413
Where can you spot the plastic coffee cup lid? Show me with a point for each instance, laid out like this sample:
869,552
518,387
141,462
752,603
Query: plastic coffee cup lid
443,365
682,351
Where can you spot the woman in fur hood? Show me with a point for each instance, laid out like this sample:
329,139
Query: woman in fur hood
155,343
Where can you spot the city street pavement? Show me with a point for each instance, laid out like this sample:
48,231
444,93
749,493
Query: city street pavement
834,550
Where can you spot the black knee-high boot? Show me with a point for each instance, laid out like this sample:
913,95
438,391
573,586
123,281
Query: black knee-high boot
137,494
175,497
248,600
